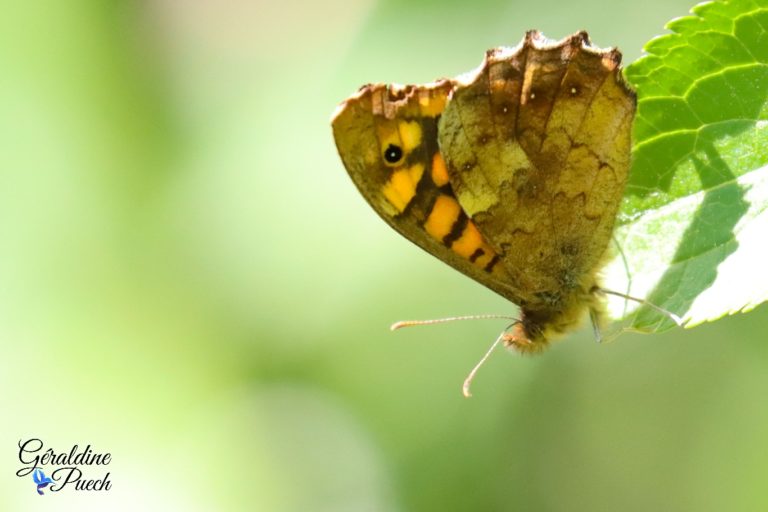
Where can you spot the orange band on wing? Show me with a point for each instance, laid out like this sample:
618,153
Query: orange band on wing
448,224
469,241
439,172
472,246
444,214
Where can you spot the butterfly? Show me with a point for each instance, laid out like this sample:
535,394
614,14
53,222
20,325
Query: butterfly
512,174
41,480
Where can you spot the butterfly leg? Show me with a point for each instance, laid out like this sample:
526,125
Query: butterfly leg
675,318
593,316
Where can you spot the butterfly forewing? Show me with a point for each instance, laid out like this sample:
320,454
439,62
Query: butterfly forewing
387,138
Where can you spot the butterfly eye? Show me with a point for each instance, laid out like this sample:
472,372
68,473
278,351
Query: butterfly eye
393,154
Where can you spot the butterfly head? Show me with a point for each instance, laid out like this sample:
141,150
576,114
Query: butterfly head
554,315
526,338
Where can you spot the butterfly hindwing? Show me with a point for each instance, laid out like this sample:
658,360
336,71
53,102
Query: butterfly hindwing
537,144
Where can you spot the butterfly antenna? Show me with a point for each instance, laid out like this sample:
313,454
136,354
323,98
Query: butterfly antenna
410,323
468,380
665,312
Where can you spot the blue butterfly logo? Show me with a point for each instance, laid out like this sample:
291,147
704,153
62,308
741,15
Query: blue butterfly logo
41,480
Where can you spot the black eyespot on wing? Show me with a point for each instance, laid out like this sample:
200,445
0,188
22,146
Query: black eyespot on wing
393,154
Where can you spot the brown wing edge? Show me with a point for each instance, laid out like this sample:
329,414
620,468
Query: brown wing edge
535,39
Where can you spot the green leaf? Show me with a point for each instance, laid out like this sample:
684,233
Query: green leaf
692,226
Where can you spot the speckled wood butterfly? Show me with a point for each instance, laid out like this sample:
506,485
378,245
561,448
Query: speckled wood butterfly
511,174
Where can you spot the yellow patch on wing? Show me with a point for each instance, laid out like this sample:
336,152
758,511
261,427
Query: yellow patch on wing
444,214
401,187
439,172
388,134
431,106
410,135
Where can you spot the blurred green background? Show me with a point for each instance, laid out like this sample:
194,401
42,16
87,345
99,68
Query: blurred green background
190,281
